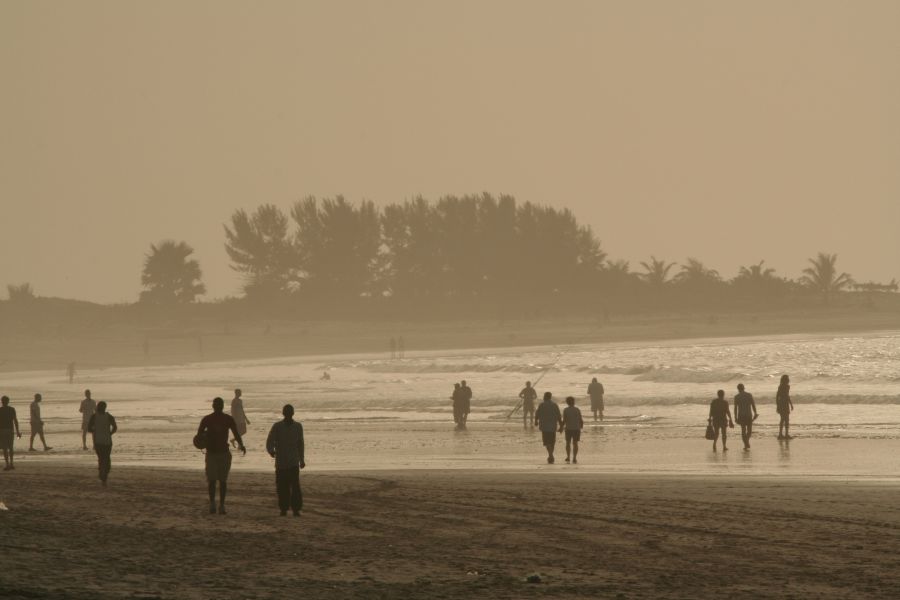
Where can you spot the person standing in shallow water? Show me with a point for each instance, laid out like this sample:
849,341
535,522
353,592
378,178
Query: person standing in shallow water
720,418
573,423
595,391
528,396
548,419
37,424
216,426
745,413
87,409
239,416
103,425
9,426
285,445
784,406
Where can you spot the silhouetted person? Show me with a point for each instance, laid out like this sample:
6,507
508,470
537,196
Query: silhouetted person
37,425
528,396
87,408
784,406
548,419
466,404
285,445
216,426
720,418
9,426
401,347
326,376
573,423
70,372
595,391
745,413
146,348
393,348
237,413
456,396
103,425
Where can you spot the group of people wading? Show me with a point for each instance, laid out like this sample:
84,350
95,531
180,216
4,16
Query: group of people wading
745,413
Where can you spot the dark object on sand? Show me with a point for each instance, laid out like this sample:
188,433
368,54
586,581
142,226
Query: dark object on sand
533,578
200,441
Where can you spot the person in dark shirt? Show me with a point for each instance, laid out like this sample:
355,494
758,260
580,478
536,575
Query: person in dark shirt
103,426
720,418
595,391
285,445
784,406
466,403
528,396
9,425
216,426
745,413
548,419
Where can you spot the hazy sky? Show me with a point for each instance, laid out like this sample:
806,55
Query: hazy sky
728,131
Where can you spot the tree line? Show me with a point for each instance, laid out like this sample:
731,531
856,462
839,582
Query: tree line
472,253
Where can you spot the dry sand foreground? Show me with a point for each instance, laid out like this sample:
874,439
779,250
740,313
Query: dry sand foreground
447,534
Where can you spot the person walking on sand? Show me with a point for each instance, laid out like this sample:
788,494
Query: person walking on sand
239,416
216,426
720,419
87,408
528,396
595,391
37,425
102,426
784,406
9,426
745,413
573,423
285,445
548,419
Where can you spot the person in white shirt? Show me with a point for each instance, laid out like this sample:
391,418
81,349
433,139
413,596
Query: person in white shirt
573,424
239,416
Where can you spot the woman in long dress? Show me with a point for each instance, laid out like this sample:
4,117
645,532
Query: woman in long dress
238,414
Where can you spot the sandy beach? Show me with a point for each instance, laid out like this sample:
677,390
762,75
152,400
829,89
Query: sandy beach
446,534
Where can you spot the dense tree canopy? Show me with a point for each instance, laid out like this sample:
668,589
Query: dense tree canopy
169,276
476,252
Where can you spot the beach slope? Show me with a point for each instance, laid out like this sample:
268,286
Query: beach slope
446,534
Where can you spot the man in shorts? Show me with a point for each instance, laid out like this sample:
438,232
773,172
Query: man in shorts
720,419
595,391
528,396
573,423
548,419
102,426
87,408
8,423
745,413
216,426
37,425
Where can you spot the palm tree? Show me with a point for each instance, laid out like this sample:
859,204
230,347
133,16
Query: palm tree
823,277
756,273
169,276
695,272
657,271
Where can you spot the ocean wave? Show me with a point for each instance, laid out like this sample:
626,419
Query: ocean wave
687,375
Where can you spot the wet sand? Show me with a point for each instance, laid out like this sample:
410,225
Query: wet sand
446,534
